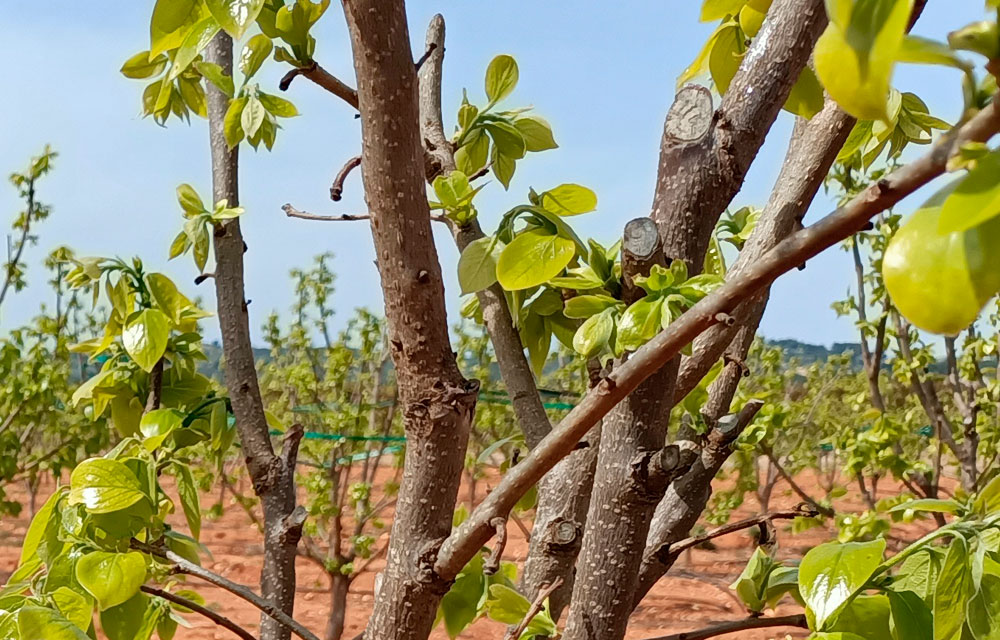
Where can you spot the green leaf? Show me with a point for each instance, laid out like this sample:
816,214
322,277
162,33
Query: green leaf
235,16
533,258
142,65
569,200
188,492
41,623
928,504
189,199
855,55
171,301
112,578
953,591
918,50
126,410
254,53
726,56
171,21
507,139
832,573
145,337
232,123
252,116
460,606
806,97
194,43
911,617
984,610
919,573
133,619
503,166
76,608
214,74
712,10
639,323
595,333
536,336
474,153
988,499
536,132
506,605
477,266
501,78
581,307
104,486
42,538
278,106
976,199
157,424
866,616
751,583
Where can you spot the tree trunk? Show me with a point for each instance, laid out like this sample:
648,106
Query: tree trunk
564,493
339,585
438,403
273,476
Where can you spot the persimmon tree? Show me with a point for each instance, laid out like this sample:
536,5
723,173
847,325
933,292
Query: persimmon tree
663,318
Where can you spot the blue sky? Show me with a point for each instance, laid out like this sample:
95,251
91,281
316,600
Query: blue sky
602,74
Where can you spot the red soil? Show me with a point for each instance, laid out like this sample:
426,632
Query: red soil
694,594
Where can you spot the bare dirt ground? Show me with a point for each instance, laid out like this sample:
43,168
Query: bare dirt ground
693,595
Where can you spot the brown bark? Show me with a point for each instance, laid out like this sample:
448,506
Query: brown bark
564,493
438,403
338,607
273,476
704,157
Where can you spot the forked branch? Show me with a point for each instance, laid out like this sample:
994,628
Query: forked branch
785,256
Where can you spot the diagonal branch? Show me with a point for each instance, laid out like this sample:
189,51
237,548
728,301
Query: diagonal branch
536,607
797,620
217,618
802,511
323,78
787,255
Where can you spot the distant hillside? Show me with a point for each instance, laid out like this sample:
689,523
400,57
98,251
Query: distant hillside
809,353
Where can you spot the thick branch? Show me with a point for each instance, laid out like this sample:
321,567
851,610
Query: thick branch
797,620
787,255
217,618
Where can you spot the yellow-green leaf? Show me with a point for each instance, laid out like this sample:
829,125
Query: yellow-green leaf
533,258
145,337
855,55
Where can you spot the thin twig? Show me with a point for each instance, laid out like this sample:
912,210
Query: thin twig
535,608
803,510
292,212
826,511
337,188
797,620
182,565
218,619
323,78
